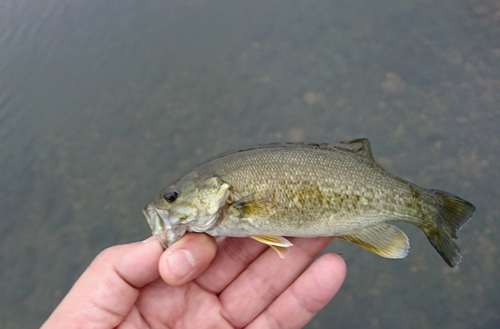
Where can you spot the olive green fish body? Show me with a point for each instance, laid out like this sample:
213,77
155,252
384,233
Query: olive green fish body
308,190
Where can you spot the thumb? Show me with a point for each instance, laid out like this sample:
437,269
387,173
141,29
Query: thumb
187,258
109,287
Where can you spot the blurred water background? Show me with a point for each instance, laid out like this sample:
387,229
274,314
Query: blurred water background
102,103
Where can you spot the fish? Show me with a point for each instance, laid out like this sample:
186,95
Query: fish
272,191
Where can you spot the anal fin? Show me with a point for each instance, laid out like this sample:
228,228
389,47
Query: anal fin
384,240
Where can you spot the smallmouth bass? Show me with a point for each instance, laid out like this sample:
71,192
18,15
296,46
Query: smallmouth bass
270,191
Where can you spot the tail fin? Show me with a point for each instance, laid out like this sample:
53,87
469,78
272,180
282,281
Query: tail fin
453,213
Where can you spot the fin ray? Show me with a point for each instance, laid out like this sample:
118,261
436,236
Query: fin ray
272,240
254,204
383,239
453,213
278,243
282,252
362,148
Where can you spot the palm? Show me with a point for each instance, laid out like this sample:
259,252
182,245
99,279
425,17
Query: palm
161,305
246,285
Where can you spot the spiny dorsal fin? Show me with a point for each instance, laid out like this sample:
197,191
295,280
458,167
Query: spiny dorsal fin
384,240
361,147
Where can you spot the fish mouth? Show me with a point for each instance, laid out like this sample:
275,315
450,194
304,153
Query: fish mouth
159,222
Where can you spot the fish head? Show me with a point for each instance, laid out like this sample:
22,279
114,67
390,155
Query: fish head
193,204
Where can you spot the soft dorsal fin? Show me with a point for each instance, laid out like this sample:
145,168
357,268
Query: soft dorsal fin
360,147
383,239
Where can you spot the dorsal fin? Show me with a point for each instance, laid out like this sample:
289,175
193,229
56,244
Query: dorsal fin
360,147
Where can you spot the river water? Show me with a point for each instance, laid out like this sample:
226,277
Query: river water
102,103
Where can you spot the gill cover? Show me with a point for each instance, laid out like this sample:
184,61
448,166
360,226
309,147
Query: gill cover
193,204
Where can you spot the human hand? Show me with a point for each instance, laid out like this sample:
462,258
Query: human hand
201,283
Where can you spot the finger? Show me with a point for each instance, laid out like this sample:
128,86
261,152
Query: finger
187,258
266,278
105,292
136,263
306,296
233,256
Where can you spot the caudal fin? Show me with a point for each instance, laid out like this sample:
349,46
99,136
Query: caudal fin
453,213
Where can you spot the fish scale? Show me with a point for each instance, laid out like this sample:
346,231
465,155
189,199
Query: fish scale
271,191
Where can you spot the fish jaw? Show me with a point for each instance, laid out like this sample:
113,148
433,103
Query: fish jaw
197,208
159,221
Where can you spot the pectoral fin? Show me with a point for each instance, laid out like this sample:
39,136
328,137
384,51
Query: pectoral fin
254,204
384,240
278,243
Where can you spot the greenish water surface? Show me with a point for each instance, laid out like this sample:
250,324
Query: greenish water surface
104,103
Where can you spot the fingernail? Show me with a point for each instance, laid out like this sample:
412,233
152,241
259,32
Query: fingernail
180,263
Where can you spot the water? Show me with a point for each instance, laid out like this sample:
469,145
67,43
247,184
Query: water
103,103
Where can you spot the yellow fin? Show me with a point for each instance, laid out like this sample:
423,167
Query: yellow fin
282,252
278,243
254,204
384,240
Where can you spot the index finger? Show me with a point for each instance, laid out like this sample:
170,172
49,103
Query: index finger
298,304
266,278
233,257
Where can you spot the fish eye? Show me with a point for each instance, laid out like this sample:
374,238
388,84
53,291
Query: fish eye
170,196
